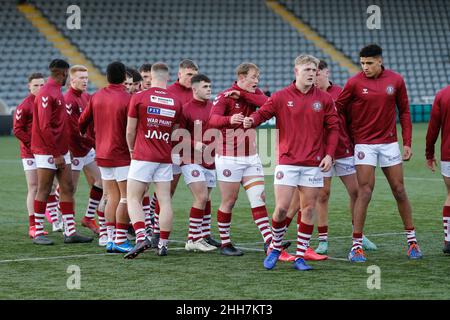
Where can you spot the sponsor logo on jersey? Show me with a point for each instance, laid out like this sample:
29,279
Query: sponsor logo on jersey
161,111
195,173
365,91
290,104
157,135
227,173
236,105
279,175
317,106
361,155
390,90
162,100
153,122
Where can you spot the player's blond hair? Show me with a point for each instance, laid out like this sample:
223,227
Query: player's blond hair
76,68
160,70
245,67
305,59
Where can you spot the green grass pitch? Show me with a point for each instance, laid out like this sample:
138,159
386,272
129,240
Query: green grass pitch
28,271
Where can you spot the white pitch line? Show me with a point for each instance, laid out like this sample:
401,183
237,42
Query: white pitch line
339,237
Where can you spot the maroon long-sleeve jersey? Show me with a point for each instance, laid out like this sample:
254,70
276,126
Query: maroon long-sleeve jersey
49,132
301,120
345,146
439,121
370,107
237,141
195,120
182,93
108,109
23,121
76,102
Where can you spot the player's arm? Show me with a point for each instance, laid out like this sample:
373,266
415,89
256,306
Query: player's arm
344,100
258,98
331,126
217,118
266,112
132,123
20,120
434,127
86,117
44,114
404,115
131,132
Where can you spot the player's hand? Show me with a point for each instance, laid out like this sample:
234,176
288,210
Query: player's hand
326,163
248,122
233,94
60,163
432,164
199,146
237,118
407,153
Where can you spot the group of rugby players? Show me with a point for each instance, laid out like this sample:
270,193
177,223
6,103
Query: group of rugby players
140,130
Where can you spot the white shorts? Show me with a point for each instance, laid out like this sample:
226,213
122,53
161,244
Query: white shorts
114,173
197,173
146,171
342,167
29,164
233,169
298,176
445,168
48,162
78,163
176,161
384,155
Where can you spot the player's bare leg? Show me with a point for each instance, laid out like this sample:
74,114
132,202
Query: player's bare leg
351,184
67,206
156,225
229,193
163,194
294,208
322,215
394,176
45,179
121,243
135,192
200,193
93,177
446,217
113,197
32,184
366,182
254,188
309,197
283,198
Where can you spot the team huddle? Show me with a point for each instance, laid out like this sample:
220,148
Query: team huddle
139,130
